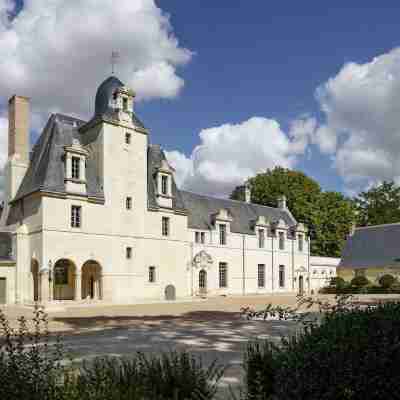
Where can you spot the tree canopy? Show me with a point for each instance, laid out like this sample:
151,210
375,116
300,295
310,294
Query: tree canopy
328,215
379,205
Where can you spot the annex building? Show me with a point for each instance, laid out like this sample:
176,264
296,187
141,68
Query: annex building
93,212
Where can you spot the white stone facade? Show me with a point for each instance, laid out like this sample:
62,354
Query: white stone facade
120,253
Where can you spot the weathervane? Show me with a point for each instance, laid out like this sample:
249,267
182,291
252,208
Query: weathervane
114,61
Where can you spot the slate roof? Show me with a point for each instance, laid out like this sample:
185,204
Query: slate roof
201,207
46,169
373,246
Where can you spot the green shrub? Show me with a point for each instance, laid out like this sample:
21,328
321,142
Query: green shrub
359,281
337,282
387,281
350,354
30,367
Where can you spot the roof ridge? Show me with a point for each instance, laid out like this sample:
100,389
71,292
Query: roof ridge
376,226
232,200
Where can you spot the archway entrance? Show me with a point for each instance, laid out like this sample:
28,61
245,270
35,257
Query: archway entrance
203,281
301,285
35,279
170,292
64,280
91,280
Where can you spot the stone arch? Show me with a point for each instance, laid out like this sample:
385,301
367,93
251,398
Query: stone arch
35,279
64,272
91,280
170,292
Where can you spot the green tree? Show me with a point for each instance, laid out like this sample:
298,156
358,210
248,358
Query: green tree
328,215
379,205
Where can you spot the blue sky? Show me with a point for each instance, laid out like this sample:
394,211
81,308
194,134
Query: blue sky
262,60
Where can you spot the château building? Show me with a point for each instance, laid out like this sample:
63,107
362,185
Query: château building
93,212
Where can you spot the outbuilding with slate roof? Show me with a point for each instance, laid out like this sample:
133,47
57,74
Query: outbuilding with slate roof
93,212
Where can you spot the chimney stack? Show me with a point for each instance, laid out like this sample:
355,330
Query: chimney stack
282,202
18,128
245,193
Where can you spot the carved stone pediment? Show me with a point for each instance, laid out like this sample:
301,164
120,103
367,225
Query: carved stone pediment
202,259
165,167
280,224
261,221
222,215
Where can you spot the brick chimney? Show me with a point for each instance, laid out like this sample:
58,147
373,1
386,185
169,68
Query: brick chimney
18,128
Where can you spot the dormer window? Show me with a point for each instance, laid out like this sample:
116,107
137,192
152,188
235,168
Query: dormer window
281,241
164,185
76,168
125,104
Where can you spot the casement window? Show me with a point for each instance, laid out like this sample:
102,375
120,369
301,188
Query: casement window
125,104
197,237
222,234
261,238
129,203
223,275
261,275
281,276
281,241
129,253
165,226
300,241
128,138
202,237
152,274
76,216
76,168
164,185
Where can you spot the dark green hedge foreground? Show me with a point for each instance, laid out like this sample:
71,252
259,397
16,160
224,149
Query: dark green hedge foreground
350,355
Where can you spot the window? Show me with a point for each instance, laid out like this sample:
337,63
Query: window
152,274
61,273
300,239
129,253
164,184
222,234
129,203
75,167
76,216
261,275
261,238
127,138
165,226
197,237
223,275
281,241
281,276
202,237
125,104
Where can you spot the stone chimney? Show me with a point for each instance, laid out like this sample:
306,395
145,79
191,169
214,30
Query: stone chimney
245,192
18,128
282,202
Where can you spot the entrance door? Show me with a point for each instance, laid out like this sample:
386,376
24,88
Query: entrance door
3,287
203,282
301,285
91,287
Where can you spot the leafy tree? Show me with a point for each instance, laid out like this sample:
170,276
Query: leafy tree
328,215
379,205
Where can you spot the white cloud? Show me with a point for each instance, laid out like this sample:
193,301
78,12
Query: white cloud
230,153
57,52
362,128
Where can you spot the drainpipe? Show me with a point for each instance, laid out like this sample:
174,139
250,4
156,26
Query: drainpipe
243,265
293,240
272,270
191,270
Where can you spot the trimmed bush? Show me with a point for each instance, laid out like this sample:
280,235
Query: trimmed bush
359,281
349,355
387,281
337,282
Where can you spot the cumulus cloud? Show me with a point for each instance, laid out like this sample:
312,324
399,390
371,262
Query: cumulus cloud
362,128
229,154
57,52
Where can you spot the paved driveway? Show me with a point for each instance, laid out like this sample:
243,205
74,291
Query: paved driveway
211,335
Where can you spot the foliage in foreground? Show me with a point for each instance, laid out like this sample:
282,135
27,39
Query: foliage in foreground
32,367
352,353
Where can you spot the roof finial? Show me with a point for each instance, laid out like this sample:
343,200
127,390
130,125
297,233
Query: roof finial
114,61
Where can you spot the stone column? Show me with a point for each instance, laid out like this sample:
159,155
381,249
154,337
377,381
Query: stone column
83,169
68,167
78,287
